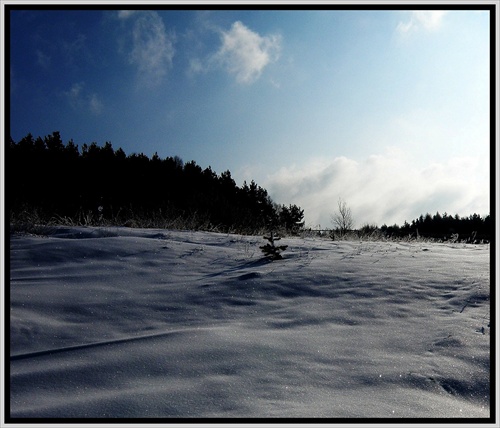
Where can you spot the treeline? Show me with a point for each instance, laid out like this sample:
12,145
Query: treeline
101,185
445,227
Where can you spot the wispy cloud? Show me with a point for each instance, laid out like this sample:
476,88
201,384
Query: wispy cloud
243,53
79,99
74,94
427,19
151,48
76,50
72,51
43,59
383,188
95,104
125,14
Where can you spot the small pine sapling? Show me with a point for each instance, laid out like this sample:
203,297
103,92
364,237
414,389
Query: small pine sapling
272,251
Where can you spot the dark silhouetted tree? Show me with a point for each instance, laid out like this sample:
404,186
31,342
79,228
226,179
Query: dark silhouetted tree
291,218
271,250
115,187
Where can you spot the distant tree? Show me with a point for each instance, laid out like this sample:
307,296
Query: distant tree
291,218
54,142
120,154
27,143
71,150
178,162
473,228
368,230
343,218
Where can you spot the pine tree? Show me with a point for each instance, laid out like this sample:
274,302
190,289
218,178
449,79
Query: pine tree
272,251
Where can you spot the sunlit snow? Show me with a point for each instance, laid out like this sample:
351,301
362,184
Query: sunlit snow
118,322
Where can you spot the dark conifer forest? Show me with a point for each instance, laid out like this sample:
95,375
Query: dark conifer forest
100,185
445,227
50,182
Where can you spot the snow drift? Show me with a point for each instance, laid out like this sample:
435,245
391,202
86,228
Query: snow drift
117,322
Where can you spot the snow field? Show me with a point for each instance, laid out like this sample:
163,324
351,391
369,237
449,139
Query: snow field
117,322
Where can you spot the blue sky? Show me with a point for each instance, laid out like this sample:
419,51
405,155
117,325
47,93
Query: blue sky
388,110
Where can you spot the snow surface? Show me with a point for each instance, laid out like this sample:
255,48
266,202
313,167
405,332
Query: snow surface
118,322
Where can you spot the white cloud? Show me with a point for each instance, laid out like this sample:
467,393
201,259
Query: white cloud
427,19
79,99
195,66
383,188
74,94
152,49
245,53
95,104
125,14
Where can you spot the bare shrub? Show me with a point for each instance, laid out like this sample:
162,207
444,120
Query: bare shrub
343,219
